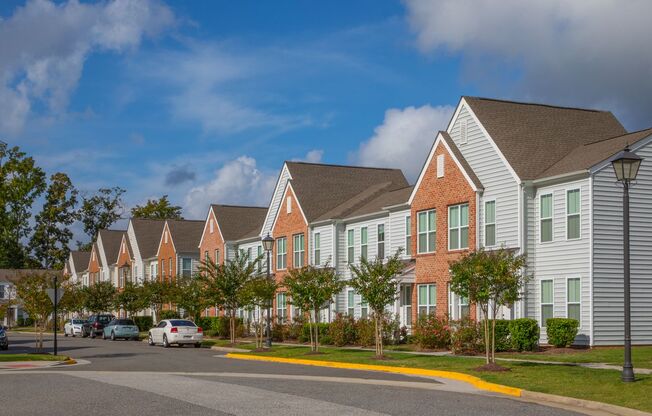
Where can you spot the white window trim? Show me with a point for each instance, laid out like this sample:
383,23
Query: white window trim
350,306
365,245
408,233
459,227
316,238
566,214
285,252
378,241
487,223
552,218
574,303
295,251
350,244
434,249
541,304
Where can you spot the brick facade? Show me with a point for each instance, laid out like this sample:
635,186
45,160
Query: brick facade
167,255
288,225
440,193
94,266
211,242
124,260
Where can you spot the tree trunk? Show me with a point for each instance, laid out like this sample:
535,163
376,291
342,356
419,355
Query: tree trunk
485,310
376,334
316,329
312,336
380,336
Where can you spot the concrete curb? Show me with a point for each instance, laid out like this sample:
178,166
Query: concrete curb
474,381
228,349
588,405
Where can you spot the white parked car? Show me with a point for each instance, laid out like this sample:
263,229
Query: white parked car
73,327
176,331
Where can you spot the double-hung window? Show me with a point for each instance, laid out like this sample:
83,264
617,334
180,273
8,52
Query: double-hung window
186,267
573,301
426,302
281,307
298,250
427,231
545,217
217,256
317,249
350,249
364,239
350,302
458,227
408,236
573,214
281,253
490,223
381,241
547,303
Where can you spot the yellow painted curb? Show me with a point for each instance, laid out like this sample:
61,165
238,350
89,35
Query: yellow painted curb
474,381
70,361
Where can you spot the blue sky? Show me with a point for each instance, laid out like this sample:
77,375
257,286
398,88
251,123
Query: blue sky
204,100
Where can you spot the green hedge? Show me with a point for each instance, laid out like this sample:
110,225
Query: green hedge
144,323
432,332
323,333
524,334
343,331
503,338
466,337
562,331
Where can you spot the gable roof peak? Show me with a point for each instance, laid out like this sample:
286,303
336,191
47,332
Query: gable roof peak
532,103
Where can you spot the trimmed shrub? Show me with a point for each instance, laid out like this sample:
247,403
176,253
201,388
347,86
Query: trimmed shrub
391,329
503,342
466,337
279,332
342,330
144,323
294,329
524,334
562,331
365,330
168,314
432,332
323,332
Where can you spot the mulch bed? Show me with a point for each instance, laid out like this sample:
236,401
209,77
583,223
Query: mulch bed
493,367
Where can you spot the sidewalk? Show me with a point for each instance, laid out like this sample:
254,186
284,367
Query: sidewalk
26,365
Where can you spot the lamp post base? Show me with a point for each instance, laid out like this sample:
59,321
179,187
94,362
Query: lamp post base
628,374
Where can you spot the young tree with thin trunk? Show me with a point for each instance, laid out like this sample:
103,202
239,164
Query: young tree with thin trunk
131,299
376,282
489,279
32,292
227,283
311,289
157,293
191,294
258,295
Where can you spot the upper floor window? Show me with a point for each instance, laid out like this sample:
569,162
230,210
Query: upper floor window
364,308
317,253
298,250
573,214
364,238
350,249
573,299
162,268
381,241
545,218
458,227
490,223
281,253
206,257
427,231
408,235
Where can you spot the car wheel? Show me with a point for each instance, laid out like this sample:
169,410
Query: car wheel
198,345
112,336
166,344
150,340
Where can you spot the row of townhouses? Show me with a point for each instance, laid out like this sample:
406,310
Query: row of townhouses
530,177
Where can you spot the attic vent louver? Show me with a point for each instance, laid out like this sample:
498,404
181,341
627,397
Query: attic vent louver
463,132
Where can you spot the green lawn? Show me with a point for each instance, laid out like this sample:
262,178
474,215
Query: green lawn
641,356
583,383
31,357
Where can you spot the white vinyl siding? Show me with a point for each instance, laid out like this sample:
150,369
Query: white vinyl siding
397,235
275,203
458,227
427,231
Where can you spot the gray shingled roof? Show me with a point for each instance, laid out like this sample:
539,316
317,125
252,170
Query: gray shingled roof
321,188
533,137
385,199
186,234
458,155
588,155
148,235
80,260
239,222
111,240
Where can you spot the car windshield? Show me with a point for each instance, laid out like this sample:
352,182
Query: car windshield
124,322
104,318
181,322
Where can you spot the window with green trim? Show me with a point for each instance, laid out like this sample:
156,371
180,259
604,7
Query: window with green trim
545,218
573,214
547,303
573,299
427,231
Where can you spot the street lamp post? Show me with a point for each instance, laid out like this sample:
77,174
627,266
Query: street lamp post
268,244
626,165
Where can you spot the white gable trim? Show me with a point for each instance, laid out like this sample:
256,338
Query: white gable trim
285,193
484,131
440,139
211,213
276,190
160,242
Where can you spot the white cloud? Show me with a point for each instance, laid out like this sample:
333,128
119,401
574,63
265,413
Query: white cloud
48,43
587,52
313,156
404,138
238,182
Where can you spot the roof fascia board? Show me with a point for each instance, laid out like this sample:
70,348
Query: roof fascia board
276,189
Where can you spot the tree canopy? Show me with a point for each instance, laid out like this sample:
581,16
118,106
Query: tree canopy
158,209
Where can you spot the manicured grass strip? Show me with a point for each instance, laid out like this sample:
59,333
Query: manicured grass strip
641,356
582,383
31,357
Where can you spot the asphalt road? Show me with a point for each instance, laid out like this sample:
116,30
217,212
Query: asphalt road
131,378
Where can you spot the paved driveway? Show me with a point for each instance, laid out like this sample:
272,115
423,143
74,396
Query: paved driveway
131,378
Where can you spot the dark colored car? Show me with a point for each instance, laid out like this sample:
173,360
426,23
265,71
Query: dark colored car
95,325
4,339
